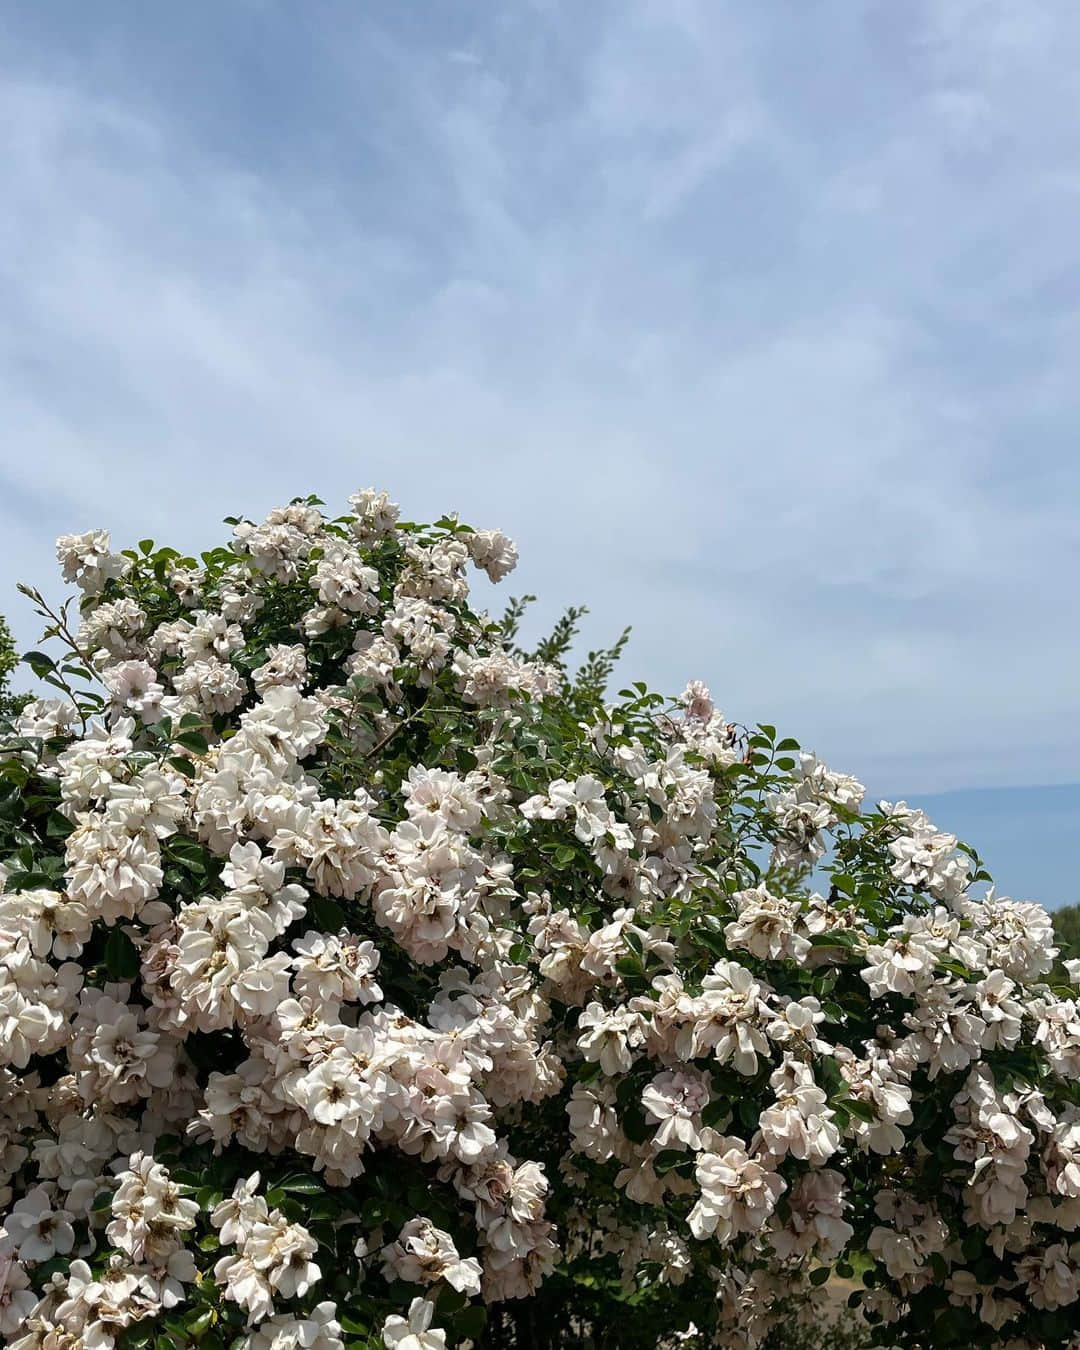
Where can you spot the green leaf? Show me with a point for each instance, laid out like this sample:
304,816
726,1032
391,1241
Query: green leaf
102,1203
187,853
121,956
54,1266
747,1111
326,914
669,1160
451,1300
39,663
57,826
28,881
470,1323
635,1126
353,1324
301,1183
200,1322
632,973
194,741
716,1113
972,1244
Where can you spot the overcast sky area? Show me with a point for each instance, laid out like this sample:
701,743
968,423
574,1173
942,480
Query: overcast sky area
757,326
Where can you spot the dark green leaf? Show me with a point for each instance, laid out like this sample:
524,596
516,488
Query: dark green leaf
121,956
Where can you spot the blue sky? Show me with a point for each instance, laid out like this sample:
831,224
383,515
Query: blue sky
756,325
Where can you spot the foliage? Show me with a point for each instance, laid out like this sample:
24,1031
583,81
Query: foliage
810,1329
370,979
1067,933
10,704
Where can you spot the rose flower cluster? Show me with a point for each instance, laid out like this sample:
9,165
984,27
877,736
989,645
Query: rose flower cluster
369,980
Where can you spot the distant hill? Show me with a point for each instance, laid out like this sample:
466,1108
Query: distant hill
1027,836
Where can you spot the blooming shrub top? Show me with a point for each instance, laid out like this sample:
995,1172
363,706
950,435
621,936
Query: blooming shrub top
363,976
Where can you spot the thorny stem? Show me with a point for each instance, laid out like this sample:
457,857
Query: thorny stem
59,620
417,712
59,629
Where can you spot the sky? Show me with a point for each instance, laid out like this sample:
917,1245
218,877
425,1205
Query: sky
757,326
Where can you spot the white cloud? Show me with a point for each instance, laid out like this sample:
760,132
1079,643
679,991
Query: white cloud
736,369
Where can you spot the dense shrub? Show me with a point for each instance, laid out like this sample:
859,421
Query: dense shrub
10,704
368,980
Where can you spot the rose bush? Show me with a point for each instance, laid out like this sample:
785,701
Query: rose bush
369,981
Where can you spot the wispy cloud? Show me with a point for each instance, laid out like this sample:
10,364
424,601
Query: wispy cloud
757,327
